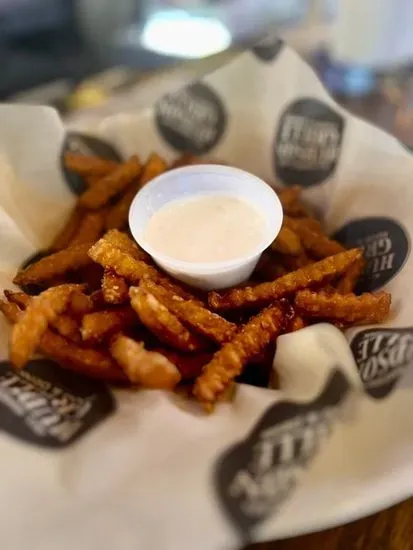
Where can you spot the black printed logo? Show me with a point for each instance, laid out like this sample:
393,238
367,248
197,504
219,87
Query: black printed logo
49,406
382,355
268,48
191,120
386,248
256,476
308,143
85,145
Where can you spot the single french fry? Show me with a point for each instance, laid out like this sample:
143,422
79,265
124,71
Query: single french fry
90,228
115,289
117,217
290,201
164,324
40,312
133,270
87,166
65,235
123,242
59,263
155,165
230,360
349,280
99,195
264,293
287,242
64,324
315,242
348,308
98,325
192,314
149,369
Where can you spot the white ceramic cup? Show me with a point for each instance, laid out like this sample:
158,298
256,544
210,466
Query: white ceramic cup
201,180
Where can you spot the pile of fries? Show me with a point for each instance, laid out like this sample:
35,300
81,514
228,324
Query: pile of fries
97,304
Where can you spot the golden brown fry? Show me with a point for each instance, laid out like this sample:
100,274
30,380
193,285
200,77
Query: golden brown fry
349,280
287,242
90,228
364,309
99,195
317,273
230,360
133,270
149,369
315,242
91,180
297,323
99,325
65,235
40,312
81,304
91,362
121,240
117,217
155,165
192,314
63,324
115,289
59,263
86,166
166,326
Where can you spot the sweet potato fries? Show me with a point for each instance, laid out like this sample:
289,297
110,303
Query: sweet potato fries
105,309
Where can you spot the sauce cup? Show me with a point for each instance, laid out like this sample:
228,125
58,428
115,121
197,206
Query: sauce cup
201,180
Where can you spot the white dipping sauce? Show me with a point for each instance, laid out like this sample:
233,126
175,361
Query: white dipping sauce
206,228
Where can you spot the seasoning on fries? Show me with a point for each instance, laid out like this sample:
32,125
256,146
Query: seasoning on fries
109,312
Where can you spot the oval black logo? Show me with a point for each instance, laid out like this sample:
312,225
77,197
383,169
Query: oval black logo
49,406
254,477
386,248
268,48
84,145
307,143
382,355
191,120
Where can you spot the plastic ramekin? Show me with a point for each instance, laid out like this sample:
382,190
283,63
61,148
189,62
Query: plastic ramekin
201,180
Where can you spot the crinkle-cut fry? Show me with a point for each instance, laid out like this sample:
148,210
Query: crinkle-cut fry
59,263
268,267
315,242
349,280
133,270
99,195
64,324
164,324
98,325
41,311
91,362
115,289
149,369
190,365
364,309
192,314
121,240
154,166
65,235
90,228
117,217
287,242
264,293
86,165
230,360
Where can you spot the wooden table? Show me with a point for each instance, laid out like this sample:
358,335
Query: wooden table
391,529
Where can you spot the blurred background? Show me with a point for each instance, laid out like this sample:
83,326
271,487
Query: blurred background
82,56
